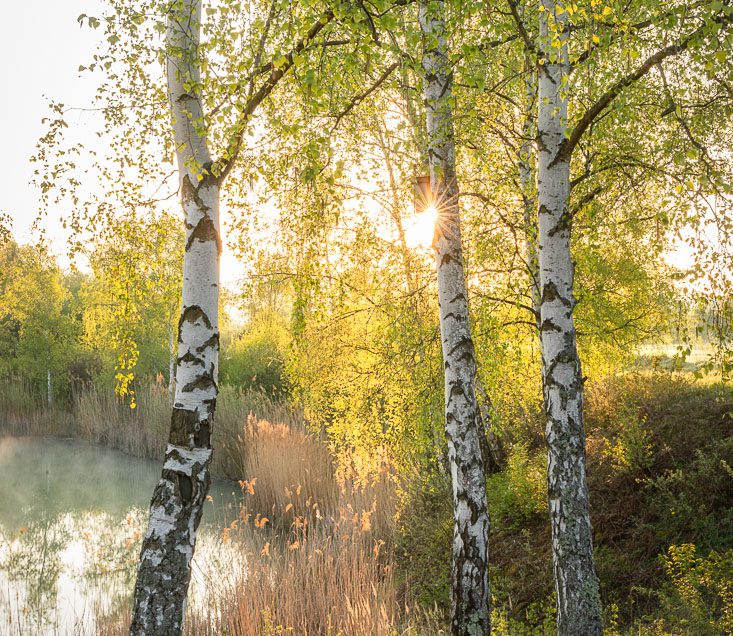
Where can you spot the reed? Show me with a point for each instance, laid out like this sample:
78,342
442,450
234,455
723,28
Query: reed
23,411
103,418
313,545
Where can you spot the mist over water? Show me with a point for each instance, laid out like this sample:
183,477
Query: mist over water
71,518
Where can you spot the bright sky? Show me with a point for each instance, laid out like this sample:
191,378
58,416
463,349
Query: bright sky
42,46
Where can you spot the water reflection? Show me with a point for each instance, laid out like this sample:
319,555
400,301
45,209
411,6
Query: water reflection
71,518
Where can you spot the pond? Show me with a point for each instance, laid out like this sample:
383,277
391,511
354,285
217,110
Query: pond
71,518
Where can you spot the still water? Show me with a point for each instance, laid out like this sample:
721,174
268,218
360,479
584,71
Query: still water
71,517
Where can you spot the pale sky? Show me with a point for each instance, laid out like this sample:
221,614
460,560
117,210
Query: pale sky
41,46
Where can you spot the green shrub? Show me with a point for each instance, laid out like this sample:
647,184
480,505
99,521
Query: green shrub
693,502
256,359
424,539
699,599
520,490
631,449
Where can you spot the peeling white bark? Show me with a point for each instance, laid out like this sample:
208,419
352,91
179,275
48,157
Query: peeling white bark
164,570
470,603
576,584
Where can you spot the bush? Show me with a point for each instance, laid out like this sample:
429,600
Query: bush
519,491
256,359
699,597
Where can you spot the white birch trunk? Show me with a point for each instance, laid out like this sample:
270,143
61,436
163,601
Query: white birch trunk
171,361
470,599
528,186
576,584
164,570
49,388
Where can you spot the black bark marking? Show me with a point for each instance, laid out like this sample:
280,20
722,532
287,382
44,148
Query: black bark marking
563,224
189,358
190,192
192,314
204,231
213,341
183,425
203,382
186,425
549,292
548,325
185,487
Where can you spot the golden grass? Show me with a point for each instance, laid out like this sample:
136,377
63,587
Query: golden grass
314,539
103,418
25,412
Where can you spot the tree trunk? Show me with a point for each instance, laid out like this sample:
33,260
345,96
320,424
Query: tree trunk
164,571
49,388
171,361
576,584
470,603
528,186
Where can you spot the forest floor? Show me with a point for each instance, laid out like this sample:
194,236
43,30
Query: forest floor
357,550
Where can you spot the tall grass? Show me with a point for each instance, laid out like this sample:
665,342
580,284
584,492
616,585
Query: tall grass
23,411
314,537
103,418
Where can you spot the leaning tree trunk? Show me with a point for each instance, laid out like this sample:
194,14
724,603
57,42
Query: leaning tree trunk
164,571
576,584
470,602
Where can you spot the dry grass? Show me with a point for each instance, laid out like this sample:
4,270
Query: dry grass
104,418
316,539
314,545
24,412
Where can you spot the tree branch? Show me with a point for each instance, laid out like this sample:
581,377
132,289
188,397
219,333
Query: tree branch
358,99
223,165
521,28
605,100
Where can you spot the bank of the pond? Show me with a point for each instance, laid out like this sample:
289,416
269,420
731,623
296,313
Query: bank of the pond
311,545
100,417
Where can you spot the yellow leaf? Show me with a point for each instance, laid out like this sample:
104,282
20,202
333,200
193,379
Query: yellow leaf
596,39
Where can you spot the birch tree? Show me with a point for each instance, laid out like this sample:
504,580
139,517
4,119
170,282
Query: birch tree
164,569
470,593
576,583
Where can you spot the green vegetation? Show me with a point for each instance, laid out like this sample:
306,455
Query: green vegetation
386,354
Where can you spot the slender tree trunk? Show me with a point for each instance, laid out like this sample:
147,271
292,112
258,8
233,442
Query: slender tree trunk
49,388
576,584
528,185
470,604
164,571
171,361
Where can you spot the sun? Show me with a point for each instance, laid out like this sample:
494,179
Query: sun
421,228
